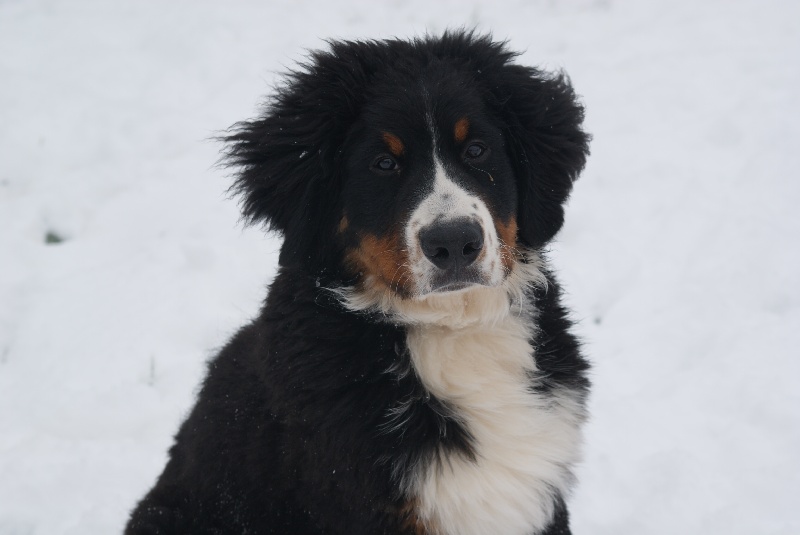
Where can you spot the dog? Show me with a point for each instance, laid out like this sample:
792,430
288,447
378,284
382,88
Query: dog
412,370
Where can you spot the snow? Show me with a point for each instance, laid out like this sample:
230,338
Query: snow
680,253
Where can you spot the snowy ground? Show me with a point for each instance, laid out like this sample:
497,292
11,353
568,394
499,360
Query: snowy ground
681,252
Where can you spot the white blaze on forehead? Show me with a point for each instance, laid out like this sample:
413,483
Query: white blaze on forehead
446,201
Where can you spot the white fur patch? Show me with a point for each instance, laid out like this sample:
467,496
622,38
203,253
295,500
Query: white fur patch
525,443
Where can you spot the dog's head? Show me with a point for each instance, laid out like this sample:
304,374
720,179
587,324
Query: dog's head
413,167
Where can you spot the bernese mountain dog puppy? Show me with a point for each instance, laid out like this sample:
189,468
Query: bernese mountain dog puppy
412,370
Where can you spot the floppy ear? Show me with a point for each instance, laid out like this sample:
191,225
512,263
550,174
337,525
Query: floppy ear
548,146
287,159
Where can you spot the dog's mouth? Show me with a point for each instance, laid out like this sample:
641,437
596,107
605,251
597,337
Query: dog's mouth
455,281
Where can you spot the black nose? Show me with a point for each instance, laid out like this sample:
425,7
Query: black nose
452,245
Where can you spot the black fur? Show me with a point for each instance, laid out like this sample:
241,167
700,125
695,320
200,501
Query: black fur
291,432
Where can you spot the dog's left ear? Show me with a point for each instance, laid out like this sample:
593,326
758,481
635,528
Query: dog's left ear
548,146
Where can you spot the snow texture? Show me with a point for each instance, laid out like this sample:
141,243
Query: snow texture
680,253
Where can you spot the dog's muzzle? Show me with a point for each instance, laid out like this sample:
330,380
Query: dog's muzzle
453,247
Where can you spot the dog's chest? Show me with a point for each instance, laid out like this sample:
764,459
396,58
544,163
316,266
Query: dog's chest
524,442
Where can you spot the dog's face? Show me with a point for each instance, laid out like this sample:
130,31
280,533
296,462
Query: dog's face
414,168
429,193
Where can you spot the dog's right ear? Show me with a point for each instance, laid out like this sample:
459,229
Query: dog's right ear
286,160
279,157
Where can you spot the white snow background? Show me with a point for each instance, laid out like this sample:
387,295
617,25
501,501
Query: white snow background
680,254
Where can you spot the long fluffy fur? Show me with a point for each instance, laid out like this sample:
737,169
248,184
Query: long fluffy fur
348,406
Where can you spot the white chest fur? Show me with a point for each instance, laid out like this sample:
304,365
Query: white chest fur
525,443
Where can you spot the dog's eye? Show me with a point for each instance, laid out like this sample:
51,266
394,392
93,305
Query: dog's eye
475,151
385,164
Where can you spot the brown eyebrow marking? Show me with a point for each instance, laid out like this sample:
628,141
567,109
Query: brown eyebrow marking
396,146
462,129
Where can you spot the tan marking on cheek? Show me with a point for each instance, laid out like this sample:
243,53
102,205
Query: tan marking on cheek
343,224
461,130
507,232
384,258
396,146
